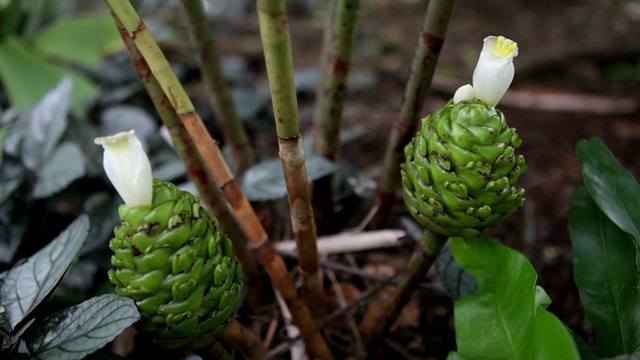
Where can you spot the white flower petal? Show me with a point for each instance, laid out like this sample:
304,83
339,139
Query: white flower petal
495,71
127,167
465,92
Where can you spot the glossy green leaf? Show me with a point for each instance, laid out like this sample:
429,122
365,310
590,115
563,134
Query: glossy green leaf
507,309
84,39
612,187
82,329
606,273
65,165
23,287
265,180
26,77
457,281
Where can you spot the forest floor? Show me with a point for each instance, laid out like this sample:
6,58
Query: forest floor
577,76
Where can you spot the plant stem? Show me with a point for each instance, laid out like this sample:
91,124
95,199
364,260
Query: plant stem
276,42
430,42
331,94
425,253
219,95
214,352
332,91
212,156
198,172
245,341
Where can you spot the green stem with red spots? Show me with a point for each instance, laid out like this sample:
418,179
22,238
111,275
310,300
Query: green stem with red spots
331,94
423,66
219,95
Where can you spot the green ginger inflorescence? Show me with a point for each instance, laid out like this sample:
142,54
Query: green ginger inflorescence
174,261
461,168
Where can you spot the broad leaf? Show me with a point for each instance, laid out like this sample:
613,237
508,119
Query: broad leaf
8,186
65,165
84,39
23,287
47,121
507,309
26,77
612,187
119,118
82,329
606,273
457,281
13,224
265,181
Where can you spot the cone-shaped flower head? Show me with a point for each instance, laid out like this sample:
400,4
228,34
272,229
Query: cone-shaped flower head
493,73
170,256
127,167
461,168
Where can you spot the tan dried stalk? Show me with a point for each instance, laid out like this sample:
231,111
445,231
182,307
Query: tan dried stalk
208,149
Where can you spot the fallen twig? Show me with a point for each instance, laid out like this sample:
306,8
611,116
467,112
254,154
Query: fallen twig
350,242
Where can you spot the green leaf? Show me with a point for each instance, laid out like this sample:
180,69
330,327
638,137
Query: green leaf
606,273
84,39
82,329
65,165
26,77
23,287
10,16
612,187
457,281
506,310
265,180
47,121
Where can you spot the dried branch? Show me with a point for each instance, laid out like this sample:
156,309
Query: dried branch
212,156
196,168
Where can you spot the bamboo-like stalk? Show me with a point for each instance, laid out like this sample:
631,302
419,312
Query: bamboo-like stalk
276,41
219,95
244,340
331,94
196,168
375,329
124,12
332,90
424,62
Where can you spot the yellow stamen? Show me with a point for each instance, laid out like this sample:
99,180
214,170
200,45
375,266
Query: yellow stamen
504,46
